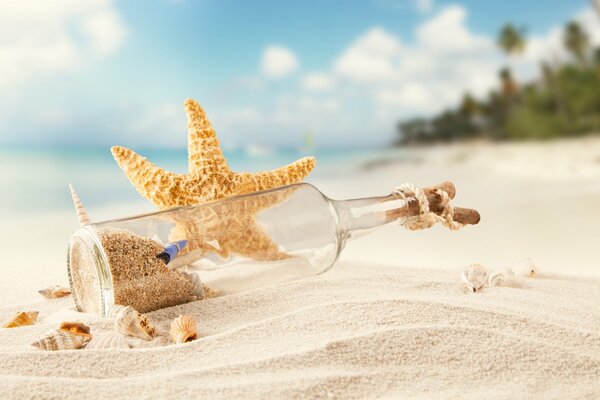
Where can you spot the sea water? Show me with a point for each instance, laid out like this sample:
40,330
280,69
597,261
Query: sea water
36,180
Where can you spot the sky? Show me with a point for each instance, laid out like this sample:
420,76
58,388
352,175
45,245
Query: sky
101,72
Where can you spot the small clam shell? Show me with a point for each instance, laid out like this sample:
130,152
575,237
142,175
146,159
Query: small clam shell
22,318
501,277
108,341
57,339
54,292
183,329
474,277
129,322
525,268
76,328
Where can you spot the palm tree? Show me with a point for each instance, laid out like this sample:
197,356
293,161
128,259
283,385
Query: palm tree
576,40
509,86
511,39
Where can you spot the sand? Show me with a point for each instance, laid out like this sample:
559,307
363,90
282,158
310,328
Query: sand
390,320
358,331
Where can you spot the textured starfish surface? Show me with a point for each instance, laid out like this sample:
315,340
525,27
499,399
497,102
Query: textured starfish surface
209,176
232,224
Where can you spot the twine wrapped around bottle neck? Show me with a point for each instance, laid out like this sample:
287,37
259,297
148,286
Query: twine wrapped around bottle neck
426,218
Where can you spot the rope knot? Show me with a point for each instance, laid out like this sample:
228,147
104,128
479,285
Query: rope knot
426,218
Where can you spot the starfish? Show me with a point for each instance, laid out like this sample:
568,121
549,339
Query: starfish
231,224
209,176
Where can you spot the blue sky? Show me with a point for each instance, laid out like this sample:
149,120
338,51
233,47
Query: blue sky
116,72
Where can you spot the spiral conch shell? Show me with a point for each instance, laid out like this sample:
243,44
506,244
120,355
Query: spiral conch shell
69,336
129,322
54,292
82,214
183,329
108,341
474,277
22,318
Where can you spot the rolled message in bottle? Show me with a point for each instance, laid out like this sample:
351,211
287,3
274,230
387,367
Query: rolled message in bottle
236,244
171,250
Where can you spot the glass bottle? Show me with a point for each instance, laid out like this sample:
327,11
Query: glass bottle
231,245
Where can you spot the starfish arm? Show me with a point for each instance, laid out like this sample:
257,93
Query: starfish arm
254,243
287,175
204,153
153,183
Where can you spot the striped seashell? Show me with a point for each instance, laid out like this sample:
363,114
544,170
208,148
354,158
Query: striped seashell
183,329
54,292
129,322
22,318
58,339
82,215
474,277
108,341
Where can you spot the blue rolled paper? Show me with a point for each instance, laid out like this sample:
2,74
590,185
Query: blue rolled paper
171,250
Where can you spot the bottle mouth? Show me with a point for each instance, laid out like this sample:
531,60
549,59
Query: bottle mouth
89,275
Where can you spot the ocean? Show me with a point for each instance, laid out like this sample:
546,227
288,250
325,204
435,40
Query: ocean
36,180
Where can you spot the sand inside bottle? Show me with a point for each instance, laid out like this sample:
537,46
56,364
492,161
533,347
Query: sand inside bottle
139,279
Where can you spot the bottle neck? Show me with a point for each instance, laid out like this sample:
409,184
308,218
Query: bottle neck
358,217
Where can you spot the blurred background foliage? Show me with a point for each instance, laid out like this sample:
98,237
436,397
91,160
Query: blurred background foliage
564,101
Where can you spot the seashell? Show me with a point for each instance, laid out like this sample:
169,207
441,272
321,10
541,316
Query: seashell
82,215
474,277
129,322
22,318
198,287
525,268
183,329
108,341
58,339
76,328
54,292
501,277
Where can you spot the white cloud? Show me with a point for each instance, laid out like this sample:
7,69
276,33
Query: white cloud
278,62
432,73
370,58
41,37
424,6
318,82
105,30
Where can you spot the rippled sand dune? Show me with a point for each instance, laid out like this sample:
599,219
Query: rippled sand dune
357,331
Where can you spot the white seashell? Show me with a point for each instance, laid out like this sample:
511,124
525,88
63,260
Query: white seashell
108,341
54,292
525,268
82,215
474,277
114,310
57,339
501,277
183,329
22,318
129,322
198,287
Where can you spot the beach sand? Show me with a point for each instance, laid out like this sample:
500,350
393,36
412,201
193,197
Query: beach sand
390,320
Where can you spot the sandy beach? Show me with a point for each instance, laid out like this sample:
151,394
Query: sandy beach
390,320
